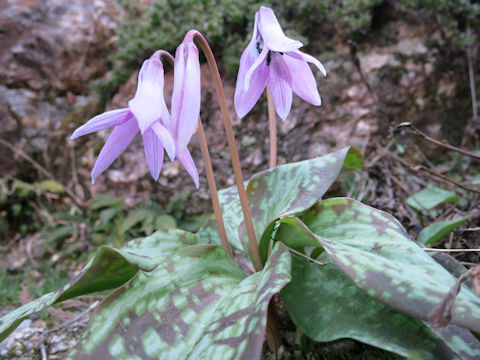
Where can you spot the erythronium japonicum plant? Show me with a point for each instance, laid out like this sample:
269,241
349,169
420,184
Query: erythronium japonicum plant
342,269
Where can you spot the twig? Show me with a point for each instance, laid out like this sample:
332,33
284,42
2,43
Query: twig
24,155
466,263
442,315
450,250
75,319
422,155
469,229
43,353
40,169
431,172
74,170
471,76
356,62
414,130
307,257
417,168
404,188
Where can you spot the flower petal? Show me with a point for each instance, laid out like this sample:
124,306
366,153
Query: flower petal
258,61
272,33
103,121
244,100
165,137
279,82
186,160
303,83
148,104
153,152
301,55
186,93
117,142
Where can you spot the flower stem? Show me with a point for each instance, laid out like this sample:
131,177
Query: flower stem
213,189
210,178
231,144
272,124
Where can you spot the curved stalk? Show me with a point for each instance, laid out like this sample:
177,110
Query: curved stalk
210,177
193,34
213,189
272,124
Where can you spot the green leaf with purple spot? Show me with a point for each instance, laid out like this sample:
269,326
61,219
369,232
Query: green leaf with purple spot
197,304
108,269
374,250
326,305
285,190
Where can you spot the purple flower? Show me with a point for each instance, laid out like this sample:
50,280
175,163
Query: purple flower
146,113
274,59
185,102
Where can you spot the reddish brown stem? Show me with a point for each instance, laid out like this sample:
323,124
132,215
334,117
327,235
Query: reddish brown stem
213,189
193,34
272,124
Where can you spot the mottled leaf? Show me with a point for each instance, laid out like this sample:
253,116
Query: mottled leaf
434,232
197,304
293,234
430,197
286,189
326,305
374,250
108,269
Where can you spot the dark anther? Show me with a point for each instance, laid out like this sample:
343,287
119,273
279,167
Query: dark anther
269,57
280,53
259,49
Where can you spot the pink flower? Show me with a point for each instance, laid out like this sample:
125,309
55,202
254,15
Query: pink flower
185,103
274,59
146,113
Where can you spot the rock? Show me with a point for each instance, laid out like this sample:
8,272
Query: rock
55,45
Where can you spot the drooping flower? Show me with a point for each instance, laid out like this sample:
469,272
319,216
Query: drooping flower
186,92
186,102
274,59
146,113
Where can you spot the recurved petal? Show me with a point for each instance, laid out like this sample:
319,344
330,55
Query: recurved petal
261,59
279,81
301,55
103,121
272,33
303,82
153,152
148,104
186,160
186,93
165,138
244,100
116,143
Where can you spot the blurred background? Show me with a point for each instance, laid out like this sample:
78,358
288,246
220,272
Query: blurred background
388,62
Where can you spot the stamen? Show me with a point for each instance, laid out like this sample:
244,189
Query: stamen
259,49
269,57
